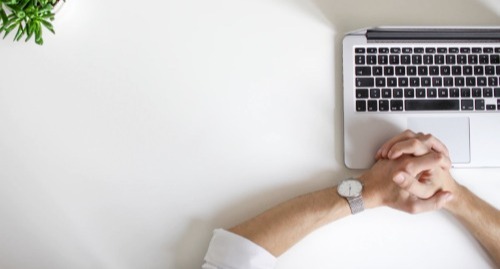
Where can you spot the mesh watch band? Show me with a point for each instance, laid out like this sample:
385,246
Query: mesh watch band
356,204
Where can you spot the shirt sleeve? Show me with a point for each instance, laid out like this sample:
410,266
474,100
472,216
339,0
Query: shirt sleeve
231,251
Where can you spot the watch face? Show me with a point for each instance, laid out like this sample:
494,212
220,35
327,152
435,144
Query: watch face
350,188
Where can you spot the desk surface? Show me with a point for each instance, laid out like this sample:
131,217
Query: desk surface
136,130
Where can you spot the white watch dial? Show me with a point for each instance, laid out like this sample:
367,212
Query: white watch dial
350,188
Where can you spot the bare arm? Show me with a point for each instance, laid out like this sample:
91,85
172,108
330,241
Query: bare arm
280,227
480,218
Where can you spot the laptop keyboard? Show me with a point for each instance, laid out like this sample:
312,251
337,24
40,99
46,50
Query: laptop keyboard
419,78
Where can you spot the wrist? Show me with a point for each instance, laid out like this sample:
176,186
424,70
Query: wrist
371,196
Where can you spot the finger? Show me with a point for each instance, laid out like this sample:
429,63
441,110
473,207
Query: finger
384,149
435,144
437,201
412,146
417,146
408,177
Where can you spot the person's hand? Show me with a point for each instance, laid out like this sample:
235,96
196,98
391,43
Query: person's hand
410,174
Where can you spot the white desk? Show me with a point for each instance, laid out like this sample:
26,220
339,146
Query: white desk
139,128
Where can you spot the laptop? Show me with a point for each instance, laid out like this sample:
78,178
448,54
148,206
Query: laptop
439,80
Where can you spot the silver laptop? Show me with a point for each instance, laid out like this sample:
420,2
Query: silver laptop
444,81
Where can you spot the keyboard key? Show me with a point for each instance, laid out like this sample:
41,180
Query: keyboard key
478,70
405,59
437,81
476,92
394,59
472,59
488,50
363,71
470,81
467,70
365,82
395,50
383,59
362,93
375,93
445,70
497,92
453,50
392,82
418,50
442,50
359,50
438,104
360,105
443,92
448,81
467,104
377,70
465,92
383,50
422,70
389,71
383,105
456,70
479,104
411,70
439,59
396,105
488,92
400,71
397,93
459,81
414,81
484,59
416,59
434,70
386,93
380,82
425,81
494,59
450,59
371,50
372,105
482,81
371,59
403,82
477,50
431,93
420,93
430,50
409,93
490,107
454,92
461,59
407,50
428,59
489,70
359,59
465,50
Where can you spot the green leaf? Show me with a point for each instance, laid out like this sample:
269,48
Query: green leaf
19,34
48,25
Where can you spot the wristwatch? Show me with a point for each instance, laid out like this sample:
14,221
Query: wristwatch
351,189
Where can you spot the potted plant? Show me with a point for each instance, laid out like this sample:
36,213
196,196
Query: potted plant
27,17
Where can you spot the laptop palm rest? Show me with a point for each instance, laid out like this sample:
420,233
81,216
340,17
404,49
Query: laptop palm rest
452,131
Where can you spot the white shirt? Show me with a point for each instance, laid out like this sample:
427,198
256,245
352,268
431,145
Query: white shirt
231,251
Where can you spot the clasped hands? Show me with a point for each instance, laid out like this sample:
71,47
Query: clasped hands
412,174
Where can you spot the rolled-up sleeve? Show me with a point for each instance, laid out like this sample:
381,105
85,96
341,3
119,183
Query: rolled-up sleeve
231,251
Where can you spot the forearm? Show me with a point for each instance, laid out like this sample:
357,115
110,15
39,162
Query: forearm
280,227
479,217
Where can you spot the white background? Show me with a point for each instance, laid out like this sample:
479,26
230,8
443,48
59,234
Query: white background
141,126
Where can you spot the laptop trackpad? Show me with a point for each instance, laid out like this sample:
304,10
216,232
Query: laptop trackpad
452,131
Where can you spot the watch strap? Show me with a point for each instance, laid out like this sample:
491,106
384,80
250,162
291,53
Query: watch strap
356,204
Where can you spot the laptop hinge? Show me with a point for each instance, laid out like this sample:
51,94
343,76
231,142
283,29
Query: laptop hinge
487,34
